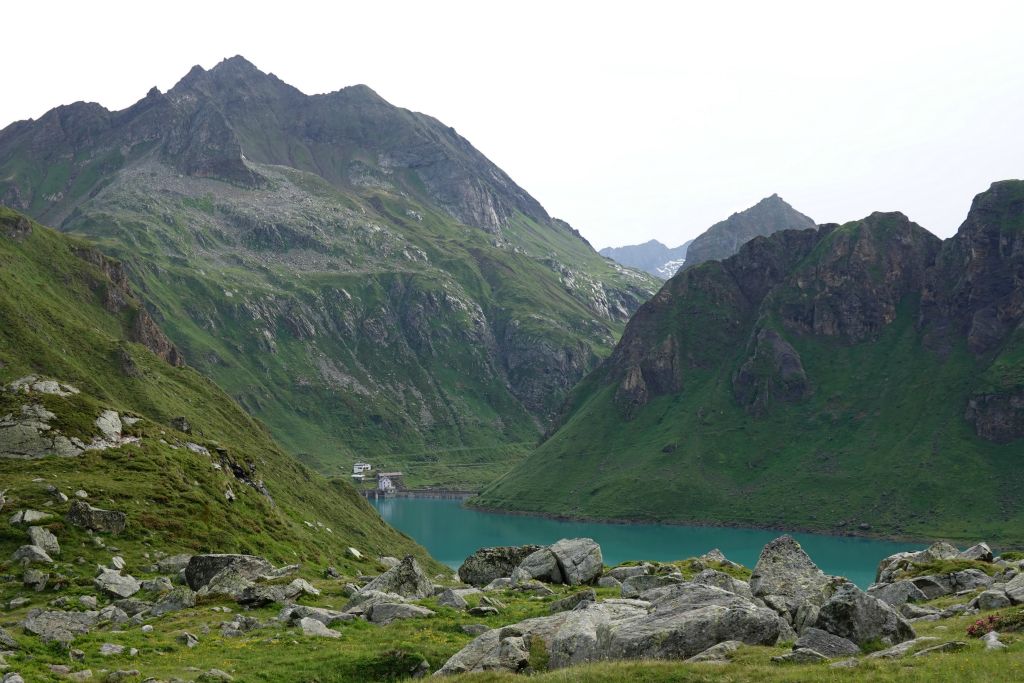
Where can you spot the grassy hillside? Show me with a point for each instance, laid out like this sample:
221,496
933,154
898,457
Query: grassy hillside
66,315
869,436
355,275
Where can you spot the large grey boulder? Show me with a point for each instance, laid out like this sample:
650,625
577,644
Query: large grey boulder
980,552
456,597
328,617
58,626
568,637
691,619
635,586
41,536
407,580
713,577
179,598
897,593
225,574
30,554
716,654
488,564
260,595
1015,589
788,580
362,601
620,574
993,599
384,613
937,585
572,561
81,514
579,559
316,628
825,643
115,584
890,566
541,565
853,614
173,563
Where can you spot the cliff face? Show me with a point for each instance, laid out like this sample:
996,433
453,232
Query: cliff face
824,364
355,274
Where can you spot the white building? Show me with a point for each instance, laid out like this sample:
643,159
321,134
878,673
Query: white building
361,467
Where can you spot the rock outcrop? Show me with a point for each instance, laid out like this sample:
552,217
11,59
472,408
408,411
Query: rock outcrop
83,515
487,564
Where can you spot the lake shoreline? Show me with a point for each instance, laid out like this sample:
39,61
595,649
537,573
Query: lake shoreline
715,524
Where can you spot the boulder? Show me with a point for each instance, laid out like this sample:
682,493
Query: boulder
979,552
786,578
716,654
579,560
7,641
384,613
81,514
456,597
115,584
568,637
938,585
1015,589
30,554
897,593
160,584
689,620
327,617
635,586
406,579
390,562
60,627
35,580
825,643
620,574
187,639
361,602
133,606
176,600
223,574
853,614
29,517
713,577
993,599
173,564
573,601
488,564
315,628
501,583
260,595
609,582
541,565
41,536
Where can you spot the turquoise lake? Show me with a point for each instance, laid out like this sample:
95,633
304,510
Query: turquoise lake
451,532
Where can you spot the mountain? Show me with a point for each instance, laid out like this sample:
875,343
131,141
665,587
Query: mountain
723,239
720,241
87,374
354,274
652,257
867,377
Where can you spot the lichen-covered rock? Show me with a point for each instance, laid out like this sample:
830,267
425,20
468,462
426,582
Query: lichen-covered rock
853,614
225,574
115,584
897,593
407,580
81,514
384,613
713,577
59,626
635,586
179,598
831,646
487,564
41,536
541,565
579,560
30,554
786,578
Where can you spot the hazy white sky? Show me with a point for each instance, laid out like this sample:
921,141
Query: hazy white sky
630,120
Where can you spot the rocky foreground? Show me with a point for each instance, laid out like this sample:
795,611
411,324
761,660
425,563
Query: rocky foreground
698,611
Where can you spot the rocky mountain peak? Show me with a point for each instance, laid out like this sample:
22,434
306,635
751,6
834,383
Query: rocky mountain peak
725,238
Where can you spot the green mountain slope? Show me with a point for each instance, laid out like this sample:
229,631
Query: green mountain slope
855,378
68,314
354,274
